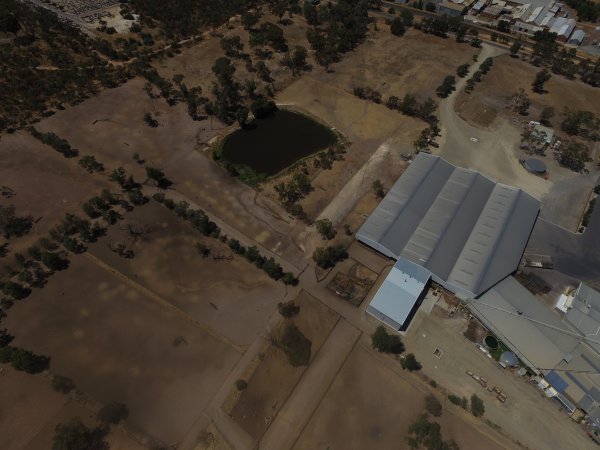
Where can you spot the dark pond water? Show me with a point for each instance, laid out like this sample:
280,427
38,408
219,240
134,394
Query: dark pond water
270,145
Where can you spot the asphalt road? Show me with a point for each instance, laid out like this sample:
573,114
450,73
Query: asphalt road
576,255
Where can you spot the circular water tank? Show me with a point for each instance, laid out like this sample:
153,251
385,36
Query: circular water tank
535,166
510,359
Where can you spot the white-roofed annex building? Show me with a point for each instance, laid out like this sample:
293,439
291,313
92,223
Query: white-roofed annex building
451,225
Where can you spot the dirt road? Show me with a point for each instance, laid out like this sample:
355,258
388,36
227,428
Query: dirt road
314,384
489,151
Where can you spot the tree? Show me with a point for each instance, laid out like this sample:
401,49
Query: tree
397,26
13,225
462,70
520,102
325,228
262,108
546,115
429,6
250,19
150,121
288,309
90,164
310,13
385,342
62,384
296,61
329,256
446,87
378,188
241,385
263,71
574,155
55,261
540,79
24,360
433,405
232,46
477,407
113,413
514,49
410,363
14,290
74,435
154,173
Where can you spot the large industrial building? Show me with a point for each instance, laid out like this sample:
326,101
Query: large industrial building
467,233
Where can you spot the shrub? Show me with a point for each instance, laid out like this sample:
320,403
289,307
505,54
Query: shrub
240,385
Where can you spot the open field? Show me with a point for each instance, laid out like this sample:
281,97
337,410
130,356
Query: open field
275,378
25,407
378,406
45,184
118,344
489,99
227,294
111,127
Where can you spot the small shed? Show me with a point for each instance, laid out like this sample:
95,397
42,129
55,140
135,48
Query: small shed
577,37
510,359
536,166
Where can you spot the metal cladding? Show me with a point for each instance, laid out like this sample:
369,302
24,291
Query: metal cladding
467,230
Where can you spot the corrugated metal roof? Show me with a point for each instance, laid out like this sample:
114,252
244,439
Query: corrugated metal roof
398,294
457,223
507,310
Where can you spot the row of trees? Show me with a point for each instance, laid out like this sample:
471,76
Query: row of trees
200,221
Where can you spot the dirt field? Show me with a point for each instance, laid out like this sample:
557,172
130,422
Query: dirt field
25,407
274,378
118,344
488,100
378,406
551,430
230,296
45,184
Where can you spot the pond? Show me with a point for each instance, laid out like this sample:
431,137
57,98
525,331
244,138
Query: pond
270,145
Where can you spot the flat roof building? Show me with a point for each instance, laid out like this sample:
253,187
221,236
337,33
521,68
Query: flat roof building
399,296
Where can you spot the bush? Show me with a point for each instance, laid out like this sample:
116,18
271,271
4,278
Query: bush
13,225
113,413
433,405
385,342
296,346
456,400
410,363
288,309
289,278
397,27
477,407
62,384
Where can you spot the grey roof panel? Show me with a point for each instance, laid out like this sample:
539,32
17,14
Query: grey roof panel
467,230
